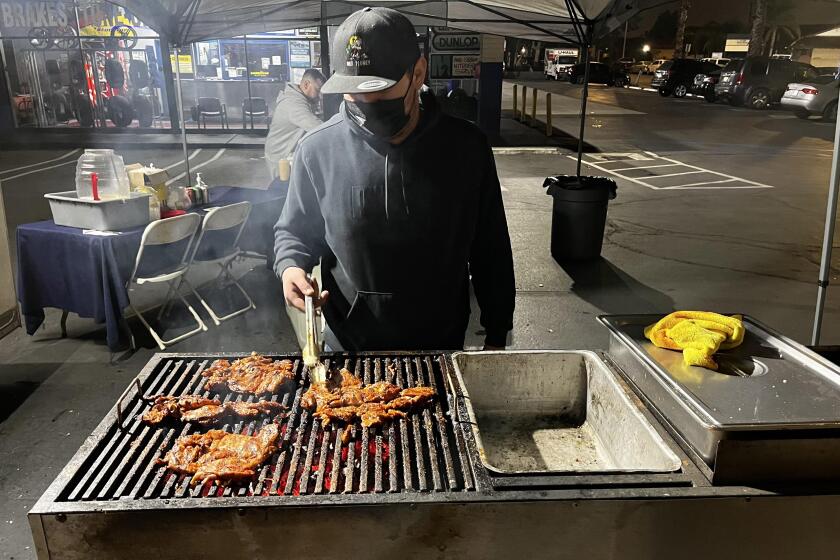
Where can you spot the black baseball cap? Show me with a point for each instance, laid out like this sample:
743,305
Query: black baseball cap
372,50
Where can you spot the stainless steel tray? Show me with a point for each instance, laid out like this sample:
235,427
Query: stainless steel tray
556,412
770,388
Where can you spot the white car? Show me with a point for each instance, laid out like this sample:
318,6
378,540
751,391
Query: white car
814,98
719,62
654,66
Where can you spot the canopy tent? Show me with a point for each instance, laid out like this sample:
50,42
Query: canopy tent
186,21
182,22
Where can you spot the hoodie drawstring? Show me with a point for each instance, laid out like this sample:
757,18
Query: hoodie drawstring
386,185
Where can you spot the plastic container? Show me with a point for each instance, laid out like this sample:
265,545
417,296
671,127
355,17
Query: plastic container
579,215
109,168
105,215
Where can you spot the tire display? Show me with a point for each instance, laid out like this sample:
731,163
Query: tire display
119,111
144,110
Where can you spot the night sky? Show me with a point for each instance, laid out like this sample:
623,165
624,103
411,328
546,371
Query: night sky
807,12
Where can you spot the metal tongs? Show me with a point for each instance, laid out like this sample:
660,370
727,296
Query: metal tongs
312,350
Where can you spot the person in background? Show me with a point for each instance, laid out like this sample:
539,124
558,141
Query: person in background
399,202
295,113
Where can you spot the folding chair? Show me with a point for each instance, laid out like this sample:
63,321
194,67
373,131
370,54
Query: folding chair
163,257
218,243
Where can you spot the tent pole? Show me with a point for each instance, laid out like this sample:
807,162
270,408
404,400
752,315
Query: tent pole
828,236
584,94
181,119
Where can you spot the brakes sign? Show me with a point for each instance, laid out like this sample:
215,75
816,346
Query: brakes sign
17,18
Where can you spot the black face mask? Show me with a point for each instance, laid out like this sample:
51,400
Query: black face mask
384,118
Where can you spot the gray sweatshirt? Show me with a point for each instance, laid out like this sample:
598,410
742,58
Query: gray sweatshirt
293,116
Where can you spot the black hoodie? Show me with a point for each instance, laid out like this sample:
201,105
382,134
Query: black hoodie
400,229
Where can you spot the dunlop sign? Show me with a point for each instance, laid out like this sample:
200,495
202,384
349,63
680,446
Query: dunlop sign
448,42
18,17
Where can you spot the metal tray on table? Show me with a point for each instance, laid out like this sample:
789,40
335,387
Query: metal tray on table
770,412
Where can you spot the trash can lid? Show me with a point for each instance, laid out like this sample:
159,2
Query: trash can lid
584,188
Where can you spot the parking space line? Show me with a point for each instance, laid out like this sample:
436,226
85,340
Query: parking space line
754,183
702,183
726,181
646,167
70,153
197,167
181,161
673,174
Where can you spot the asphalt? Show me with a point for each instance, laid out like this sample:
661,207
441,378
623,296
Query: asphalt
750,244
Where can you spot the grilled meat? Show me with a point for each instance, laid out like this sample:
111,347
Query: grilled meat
343,398
205,411
255,374
174,407
220,456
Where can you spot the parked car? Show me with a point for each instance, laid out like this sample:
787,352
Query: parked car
704,85
760,81
654,66
677,76
558,68
599,73
639,67
831,71
818,97
719,62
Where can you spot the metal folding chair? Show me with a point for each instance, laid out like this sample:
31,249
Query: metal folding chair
164,256
218,243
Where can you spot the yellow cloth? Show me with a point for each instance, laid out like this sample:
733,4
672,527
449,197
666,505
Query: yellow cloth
699,334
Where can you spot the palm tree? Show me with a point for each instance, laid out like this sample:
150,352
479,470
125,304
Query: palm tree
780,20
758,24
679,43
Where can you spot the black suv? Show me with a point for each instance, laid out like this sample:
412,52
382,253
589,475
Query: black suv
599,73
760,81
677,76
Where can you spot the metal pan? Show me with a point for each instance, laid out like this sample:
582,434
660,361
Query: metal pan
555,412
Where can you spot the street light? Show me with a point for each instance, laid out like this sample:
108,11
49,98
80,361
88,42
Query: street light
646,48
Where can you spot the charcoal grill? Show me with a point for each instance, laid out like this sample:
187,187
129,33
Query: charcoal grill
415,488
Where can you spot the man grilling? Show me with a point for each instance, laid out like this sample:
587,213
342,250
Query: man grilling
400,202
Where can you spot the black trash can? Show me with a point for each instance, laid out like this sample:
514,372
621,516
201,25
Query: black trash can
579,215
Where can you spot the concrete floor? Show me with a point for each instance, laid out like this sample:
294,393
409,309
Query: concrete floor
747,250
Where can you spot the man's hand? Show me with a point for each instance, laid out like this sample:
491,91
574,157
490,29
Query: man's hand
296,285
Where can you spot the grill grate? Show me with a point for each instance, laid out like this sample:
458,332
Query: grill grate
421,453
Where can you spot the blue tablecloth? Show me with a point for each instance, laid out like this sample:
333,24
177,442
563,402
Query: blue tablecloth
64,268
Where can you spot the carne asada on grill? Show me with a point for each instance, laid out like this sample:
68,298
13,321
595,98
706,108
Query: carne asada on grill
343,398
204,411
255,374
220,456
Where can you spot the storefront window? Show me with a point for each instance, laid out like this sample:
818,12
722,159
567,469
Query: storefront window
97,66
103,68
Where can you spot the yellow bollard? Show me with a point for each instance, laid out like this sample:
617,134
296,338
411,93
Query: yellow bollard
515,106
549,130
524,103
534,108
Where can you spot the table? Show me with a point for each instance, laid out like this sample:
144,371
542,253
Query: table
62,267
